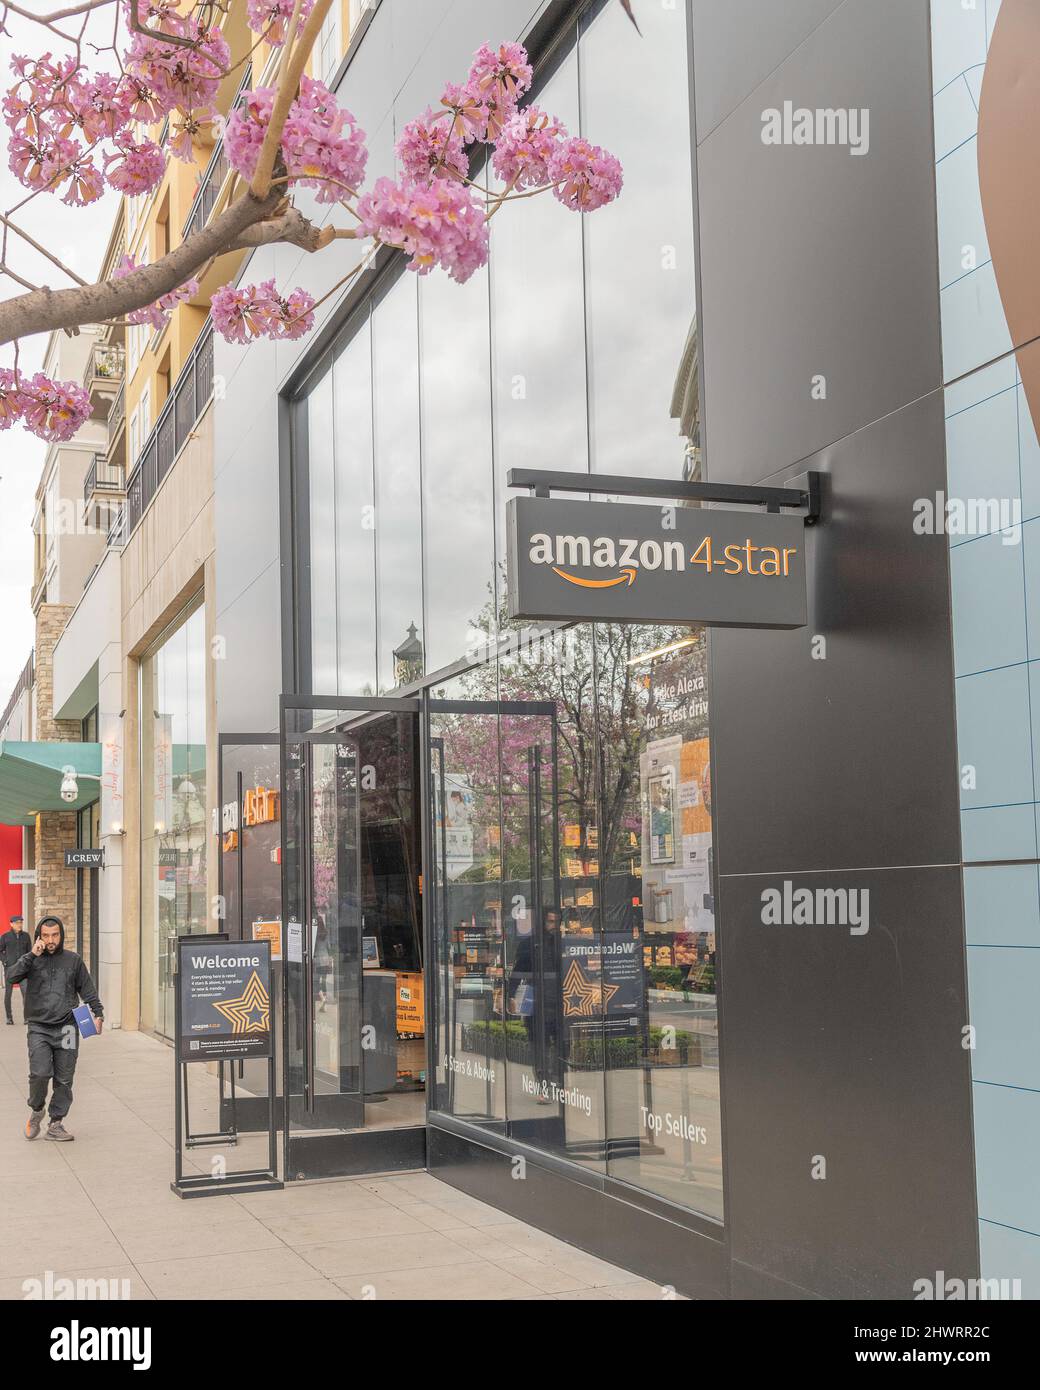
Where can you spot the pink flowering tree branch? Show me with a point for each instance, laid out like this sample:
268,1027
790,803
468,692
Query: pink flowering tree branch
76,133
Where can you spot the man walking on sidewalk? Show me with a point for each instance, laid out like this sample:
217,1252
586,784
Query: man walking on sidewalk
13,945
56,980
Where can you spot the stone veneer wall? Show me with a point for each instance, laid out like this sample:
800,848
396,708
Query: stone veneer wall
55,885
50,624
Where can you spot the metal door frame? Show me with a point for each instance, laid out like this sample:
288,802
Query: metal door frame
346,1153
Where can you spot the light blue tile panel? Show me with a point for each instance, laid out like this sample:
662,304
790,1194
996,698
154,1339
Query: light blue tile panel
1007,1142
1003,990
993,738
1029,457
963,245
959,40
973,326
982,452
1008,1254
1031,567
1002,906
974,329
989,609
999,832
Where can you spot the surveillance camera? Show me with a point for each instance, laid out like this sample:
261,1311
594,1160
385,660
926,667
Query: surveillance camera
69,784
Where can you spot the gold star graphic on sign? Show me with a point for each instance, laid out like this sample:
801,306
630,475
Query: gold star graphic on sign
581,997
251,1011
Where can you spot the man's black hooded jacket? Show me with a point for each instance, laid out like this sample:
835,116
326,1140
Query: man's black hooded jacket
54,984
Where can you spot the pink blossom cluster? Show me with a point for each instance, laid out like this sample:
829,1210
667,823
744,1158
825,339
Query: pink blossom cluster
259,311
158,312
322,145
584,176
271,18
497,79
135,166
179,77
528,141
59,114
431,145
52,410
436,223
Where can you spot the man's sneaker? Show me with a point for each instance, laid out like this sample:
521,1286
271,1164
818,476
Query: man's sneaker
32,1124
56,1130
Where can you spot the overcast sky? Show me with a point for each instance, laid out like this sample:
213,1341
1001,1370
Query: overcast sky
78,237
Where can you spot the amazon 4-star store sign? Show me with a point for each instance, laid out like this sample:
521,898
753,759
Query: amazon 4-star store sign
615,562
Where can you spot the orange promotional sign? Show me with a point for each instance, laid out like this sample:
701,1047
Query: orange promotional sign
411,1012
259,806
272,932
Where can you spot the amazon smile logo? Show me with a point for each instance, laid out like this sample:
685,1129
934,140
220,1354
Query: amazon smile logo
627,576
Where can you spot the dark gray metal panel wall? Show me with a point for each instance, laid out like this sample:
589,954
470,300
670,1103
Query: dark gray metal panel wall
838,772
817,261
740,42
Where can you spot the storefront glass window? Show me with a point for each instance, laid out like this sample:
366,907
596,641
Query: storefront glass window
661,1022
458,503
355,518
639,262
174,828
395,395
321,454
466,903
569,802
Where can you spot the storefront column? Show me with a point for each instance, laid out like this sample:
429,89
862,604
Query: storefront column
109,966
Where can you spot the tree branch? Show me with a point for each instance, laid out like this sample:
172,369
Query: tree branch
44,310
42,249
290,72
290,227
55,15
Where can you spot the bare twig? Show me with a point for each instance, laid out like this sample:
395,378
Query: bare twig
18,231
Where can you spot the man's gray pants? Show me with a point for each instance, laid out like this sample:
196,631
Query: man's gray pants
52,1057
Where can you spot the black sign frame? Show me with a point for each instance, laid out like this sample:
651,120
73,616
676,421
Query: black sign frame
241,1180
86,858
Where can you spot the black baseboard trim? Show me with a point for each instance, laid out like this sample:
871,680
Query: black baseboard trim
582,1213
354,1154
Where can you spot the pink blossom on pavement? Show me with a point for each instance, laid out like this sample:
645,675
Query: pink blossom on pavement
526,145
587,176
438,223
432,143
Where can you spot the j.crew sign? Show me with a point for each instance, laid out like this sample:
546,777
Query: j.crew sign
615,562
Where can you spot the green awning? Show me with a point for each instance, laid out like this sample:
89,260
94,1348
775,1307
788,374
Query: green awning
31,774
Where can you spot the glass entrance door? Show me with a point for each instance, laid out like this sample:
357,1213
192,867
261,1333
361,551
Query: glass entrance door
354,1029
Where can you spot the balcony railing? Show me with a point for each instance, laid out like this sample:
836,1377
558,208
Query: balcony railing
106,362
102,476
117,414
215,173
176,421
24,682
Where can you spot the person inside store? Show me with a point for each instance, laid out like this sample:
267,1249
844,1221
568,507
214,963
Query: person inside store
13,945
55,982
534,998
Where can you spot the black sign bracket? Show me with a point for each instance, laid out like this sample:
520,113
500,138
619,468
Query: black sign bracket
541,482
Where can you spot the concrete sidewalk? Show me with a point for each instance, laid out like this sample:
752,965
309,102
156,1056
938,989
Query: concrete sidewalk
101,1209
